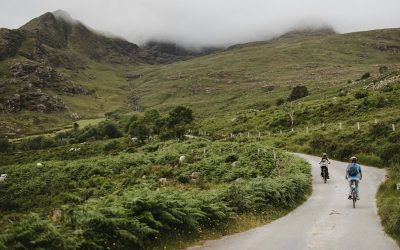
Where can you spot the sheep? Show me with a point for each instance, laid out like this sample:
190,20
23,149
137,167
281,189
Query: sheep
3,177
39,164
195,175
234,164
163,181
181,160
134,139
75,149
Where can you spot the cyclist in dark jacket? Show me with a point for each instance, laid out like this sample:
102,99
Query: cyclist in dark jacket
324,164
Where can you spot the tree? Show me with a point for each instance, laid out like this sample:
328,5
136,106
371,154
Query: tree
109,129
140,130
289,108
178,122
153,119
298,92
180,115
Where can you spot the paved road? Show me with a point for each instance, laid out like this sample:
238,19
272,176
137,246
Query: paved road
326,221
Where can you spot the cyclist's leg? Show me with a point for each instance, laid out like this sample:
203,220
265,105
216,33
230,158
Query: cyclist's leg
357,188
349,187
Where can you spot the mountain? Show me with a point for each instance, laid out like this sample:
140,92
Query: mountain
54,69
42,64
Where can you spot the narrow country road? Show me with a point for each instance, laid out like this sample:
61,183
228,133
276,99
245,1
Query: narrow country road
326,221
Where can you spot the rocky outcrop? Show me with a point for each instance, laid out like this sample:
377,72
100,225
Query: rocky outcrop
27,84
10,41
33,101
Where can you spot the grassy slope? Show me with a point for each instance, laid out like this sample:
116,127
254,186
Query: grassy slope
80,188
321,62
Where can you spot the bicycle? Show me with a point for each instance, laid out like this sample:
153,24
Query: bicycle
353,192
324,169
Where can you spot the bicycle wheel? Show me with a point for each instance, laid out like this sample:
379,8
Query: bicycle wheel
353,194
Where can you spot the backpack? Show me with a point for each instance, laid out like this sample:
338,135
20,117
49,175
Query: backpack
353,170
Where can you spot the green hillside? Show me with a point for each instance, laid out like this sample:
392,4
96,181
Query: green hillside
113,179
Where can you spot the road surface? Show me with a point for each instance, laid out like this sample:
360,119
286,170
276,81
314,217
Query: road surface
326,221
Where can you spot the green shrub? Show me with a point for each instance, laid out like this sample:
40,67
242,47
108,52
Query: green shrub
361,94
38,142
380,130
370,159
298,92
365,75
390,152
32,232
280,101
5,145
112,145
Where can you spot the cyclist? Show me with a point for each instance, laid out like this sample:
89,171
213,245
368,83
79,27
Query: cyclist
353,172
324,164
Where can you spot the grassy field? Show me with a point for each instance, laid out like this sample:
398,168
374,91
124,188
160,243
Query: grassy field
143,200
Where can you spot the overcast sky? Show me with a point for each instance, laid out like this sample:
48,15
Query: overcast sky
209,22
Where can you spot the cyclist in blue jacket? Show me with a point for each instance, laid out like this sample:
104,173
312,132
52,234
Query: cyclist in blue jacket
353,172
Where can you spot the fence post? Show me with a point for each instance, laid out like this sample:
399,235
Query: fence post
280,131
248,134
394,127
274,152
307,129
376,121
259,134
340,126
258,151
292,129
358,125
204,150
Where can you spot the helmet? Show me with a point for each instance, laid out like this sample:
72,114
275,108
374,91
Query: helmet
353,159
324,155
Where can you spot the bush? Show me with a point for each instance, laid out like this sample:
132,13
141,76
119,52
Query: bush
38,142
108,130
112,145
361,94
5,145
383,69
298,92
231,158
370,160
32,233
389,152
280,102
365,76
379,130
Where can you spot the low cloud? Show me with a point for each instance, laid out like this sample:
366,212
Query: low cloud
198,23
